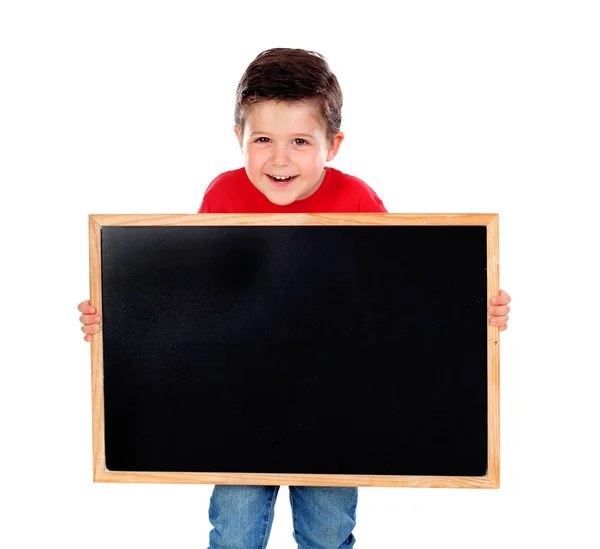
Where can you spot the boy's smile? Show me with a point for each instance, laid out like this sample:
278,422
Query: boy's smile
285,149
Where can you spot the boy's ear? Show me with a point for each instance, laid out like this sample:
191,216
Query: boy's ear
335,146
239,136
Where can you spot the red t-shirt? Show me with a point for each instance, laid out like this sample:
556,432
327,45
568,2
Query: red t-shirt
233,192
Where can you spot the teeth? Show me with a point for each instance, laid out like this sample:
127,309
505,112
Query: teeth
281,178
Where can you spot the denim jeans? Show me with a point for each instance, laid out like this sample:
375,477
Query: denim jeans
242,516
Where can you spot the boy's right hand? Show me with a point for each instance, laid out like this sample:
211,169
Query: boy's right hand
89,319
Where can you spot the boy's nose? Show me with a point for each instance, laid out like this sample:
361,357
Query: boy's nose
280,156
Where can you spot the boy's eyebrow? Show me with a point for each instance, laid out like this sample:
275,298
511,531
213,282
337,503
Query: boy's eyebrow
267,133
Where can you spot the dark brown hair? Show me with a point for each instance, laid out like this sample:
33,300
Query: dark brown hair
288,74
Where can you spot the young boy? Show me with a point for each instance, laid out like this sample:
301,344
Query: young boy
287,122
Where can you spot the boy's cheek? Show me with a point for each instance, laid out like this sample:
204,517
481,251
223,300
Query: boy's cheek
253,153
256,161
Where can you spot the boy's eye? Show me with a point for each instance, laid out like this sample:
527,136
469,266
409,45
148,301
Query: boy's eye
297,141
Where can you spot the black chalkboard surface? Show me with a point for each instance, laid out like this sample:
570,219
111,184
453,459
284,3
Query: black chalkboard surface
346,349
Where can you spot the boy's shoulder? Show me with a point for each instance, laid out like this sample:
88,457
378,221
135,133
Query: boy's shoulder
355,192
230,177
343,178
226,193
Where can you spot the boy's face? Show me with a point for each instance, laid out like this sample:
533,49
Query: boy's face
286,138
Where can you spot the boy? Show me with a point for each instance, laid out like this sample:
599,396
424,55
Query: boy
287,122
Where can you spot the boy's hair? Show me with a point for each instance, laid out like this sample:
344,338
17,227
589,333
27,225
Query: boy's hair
288,74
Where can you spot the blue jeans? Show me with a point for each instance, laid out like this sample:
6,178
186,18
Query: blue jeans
242,516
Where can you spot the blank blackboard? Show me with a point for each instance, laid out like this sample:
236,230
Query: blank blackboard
341,349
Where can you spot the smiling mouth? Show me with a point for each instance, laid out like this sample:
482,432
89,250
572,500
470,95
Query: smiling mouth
282,180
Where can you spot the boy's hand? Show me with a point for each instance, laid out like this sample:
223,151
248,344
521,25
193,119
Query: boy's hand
89,319
499,310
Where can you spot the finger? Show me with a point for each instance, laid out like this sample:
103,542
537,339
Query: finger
90,329
503,298
87,338
499,310
498,320
85,308
89,319
503,327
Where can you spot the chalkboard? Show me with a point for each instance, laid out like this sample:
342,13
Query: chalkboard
341,349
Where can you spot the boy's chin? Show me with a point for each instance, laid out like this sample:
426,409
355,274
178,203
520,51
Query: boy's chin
283,197
281,200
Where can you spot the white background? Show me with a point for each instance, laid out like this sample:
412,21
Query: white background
450,107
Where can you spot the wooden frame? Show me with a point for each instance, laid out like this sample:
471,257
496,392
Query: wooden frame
490,221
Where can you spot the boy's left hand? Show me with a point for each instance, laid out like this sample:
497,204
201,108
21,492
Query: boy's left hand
499,310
